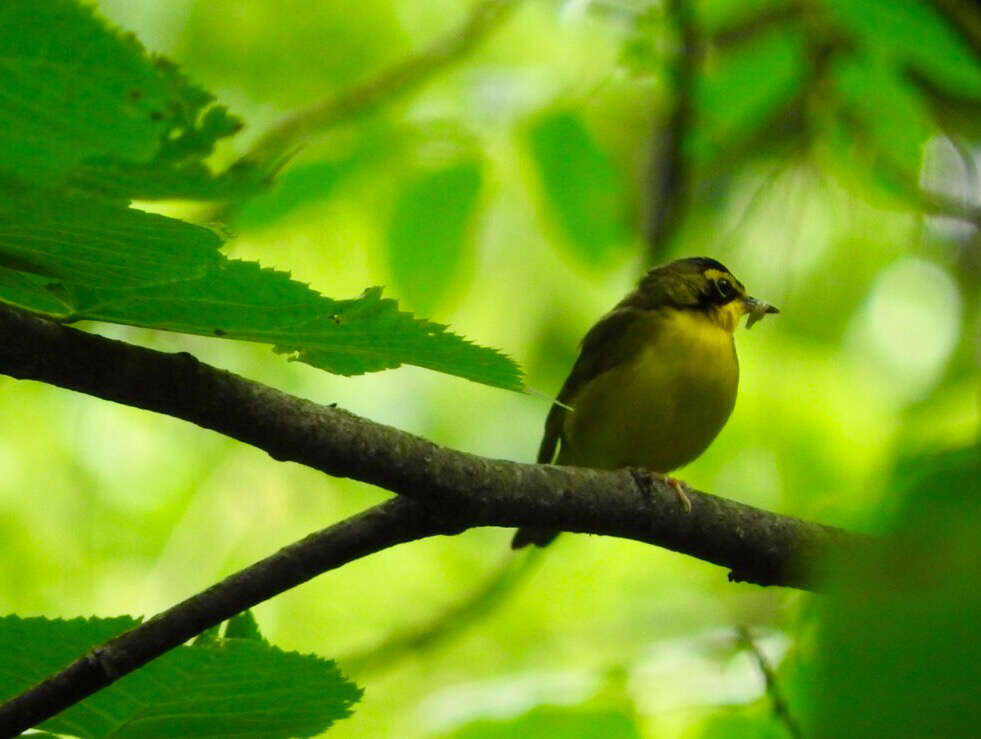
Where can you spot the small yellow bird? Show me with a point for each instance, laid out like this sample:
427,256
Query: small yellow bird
655,380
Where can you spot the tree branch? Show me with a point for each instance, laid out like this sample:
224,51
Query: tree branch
405,76
442,492
780,708
758,546
394,522
669,175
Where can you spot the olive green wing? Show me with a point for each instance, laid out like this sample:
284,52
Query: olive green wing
612,341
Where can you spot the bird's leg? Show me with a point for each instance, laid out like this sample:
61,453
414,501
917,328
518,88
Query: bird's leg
643,479
680,488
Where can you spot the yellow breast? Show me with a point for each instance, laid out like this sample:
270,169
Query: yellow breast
662,407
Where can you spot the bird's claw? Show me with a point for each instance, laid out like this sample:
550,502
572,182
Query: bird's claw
680,488
643,477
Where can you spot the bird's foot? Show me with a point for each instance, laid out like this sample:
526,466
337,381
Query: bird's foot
680,488
643,478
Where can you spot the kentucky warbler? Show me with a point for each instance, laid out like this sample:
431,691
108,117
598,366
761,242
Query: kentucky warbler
656,377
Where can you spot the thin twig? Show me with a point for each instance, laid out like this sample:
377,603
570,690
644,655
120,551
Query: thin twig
751,27
669,175
394,522
780,708
926,201
400,79
965,18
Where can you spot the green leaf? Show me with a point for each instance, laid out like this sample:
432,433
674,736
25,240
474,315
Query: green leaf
35,293
98,244
887,118
177,171
241,300
237,687
243,626
429,232
102,262
85,103
76,251
582,184
207,637
741,92
913,32
73,89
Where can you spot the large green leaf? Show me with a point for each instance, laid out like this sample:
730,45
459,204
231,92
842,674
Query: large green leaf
242,300
94,260
229,687
742,90
85,102
71,248
912,32
888,119
71,90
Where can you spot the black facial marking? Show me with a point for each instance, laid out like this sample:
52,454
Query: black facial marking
718,291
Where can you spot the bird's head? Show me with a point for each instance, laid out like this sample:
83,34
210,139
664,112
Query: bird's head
699,284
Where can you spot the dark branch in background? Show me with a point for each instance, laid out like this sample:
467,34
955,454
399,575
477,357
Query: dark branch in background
940,204
751,27
400,79
965,18
669,176
444,491
394,522
927,202
780,708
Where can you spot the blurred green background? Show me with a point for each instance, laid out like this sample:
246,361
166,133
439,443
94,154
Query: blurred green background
508,196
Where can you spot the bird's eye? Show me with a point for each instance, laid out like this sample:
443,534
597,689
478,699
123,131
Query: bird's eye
725,288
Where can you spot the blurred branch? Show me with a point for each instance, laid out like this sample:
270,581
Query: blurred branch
400,79
926,201
939,204
393,522
451,622
670,179
442,491
780,707
752,26
965,17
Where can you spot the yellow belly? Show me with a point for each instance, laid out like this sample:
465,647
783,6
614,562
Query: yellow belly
663,407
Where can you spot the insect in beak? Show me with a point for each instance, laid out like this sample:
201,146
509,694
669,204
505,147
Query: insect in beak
757,309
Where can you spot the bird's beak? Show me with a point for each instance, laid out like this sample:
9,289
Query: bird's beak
757,309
